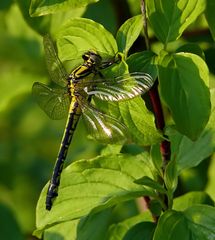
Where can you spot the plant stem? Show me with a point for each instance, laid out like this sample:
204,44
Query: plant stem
155,98
160,122
157,107
145,25
144,205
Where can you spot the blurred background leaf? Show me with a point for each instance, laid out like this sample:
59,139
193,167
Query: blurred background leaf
9,227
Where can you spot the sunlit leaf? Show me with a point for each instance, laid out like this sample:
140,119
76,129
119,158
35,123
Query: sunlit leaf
170,175
139,121
128,33
67,230
189,199
91,184
192,48
170,19
81,229
157,158
190,153
146,181
184,83
43,7
79,35
195,223
143,62
210,189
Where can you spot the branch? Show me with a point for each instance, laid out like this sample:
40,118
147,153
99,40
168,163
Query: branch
157,107
145,25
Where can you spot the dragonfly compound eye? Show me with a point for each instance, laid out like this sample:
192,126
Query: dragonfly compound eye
92,58
85,56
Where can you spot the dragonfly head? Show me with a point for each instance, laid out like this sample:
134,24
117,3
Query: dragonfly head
92,58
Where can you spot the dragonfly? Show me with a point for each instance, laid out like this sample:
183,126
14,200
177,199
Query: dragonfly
71,97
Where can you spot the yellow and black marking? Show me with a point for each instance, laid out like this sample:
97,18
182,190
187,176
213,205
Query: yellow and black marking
91,61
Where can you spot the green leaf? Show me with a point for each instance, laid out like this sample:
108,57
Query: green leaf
170,18
143,62
48,23
210,189
9,226
195,223
134,7
143,230
189,199
64,230
146,181
41,25
88,226
211,122
209,13
79,35
211,126
192,48
184,88
94,184
188,153
136,116
79,229
82,228
5,4
156,207
170,176
122,229
43,7
17,13
128,33
139,121
157,158
111,149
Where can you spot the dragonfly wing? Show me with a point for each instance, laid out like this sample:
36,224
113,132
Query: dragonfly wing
54,101
56,69
102,127
121,88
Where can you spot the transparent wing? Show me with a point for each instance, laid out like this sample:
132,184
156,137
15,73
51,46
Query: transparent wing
56,69
102,127
54,101
120,88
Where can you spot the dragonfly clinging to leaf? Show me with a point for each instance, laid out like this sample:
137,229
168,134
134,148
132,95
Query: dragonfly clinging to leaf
71,98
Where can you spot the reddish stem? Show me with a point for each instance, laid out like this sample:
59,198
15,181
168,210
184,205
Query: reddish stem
160,123
157,108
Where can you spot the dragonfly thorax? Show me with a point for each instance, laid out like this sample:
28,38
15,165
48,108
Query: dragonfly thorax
92,62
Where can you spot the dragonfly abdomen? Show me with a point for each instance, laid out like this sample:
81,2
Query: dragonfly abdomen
72,121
